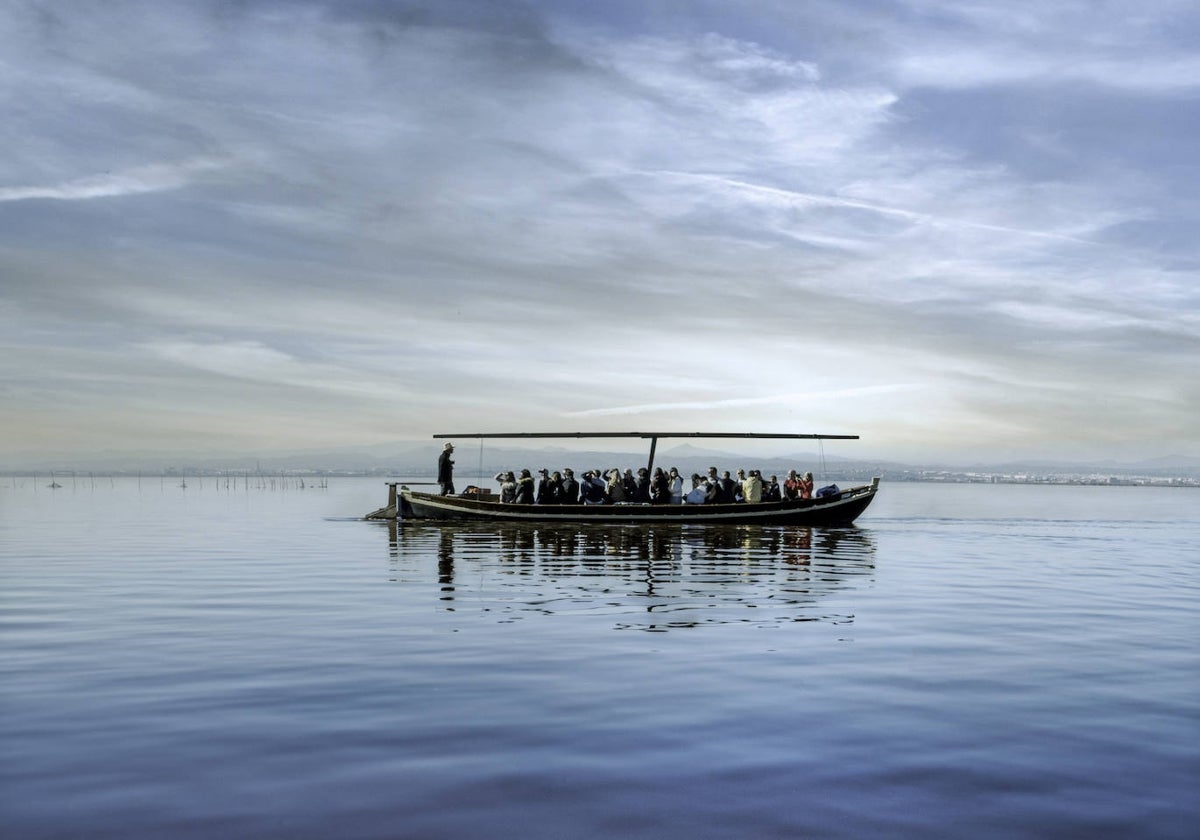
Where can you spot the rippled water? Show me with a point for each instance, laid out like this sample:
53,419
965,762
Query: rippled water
983,661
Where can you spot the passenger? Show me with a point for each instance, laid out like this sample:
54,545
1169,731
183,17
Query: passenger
525,488
616,486
806,486
660,488
508,487
545,489
591,489
568,491
642,490
675,480
630,486
791,486
725,495
738,495
773,492
752,488
713,476
699,491
712,488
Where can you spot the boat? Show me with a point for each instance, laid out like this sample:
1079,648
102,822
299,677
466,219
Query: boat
838,507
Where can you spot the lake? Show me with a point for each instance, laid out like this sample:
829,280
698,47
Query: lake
246,659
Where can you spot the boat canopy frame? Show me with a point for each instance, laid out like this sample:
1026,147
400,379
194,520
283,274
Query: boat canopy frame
653,437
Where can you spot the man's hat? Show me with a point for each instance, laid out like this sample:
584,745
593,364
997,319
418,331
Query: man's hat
448,445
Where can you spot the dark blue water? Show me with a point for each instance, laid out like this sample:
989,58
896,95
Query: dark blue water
970,661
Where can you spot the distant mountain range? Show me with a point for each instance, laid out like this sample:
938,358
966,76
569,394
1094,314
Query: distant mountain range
415,459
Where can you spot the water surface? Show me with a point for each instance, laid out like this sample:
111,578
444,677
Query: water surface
243,661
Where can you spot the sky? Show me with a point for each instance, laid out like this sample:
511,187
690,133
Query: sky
963,230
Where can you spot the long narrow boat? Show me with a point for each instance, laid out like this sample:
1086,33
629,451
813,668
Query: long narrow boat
839,508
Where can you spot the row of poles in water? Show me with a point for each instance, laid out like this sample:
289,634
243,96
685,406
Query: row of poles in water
226,481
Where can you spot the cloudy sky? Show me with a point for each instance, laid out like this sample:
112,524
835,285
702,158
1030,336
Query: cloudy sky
961,229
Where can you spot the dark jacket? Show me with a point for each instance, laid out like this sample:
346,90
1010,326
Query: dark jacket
525,490
445,468
593,491
660,489
568,494
630,483
727,491
643,488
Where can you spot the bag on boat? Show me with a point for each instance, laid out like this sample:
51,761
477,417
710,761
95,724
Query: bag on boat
828,490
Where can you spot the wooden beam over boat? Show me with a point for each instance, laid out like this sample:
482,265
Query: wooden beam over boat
653,437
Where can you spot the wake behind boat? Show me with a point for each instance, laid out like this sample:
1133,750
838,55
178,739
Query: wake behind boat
839,507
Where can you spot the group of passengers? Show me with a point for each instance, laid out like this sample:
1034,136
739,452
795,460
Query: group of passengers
598,487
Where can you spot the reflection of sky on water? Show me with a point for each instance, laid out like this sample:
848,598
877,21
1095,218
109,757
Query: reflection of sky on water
638,577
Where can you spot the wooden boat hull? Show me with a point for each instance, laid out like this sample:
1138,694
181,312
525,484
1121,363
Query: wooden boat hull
840,509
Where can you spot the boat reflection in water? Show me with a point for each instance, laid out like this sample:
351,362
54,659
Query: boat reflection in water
649,577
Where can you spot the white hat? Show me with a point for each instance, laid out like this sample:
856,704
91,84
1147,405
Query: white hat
448,446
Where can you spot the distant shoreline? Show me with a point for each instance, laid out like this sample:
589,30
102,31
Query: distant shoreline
1094,479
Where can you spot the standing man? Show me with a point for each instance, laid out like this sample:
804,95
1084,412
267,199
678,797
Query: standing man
446,470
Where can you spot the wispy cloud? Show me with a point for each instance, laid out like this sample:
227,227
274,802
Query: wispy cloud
798,399
762,192
256,362
151,178
993,65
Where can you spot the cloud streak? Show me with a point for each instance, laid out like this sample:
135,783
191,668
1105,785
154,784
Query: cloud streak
793,197
799,399
138,180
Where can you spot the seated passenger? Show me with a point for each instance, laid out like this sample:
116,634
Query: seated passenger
525,489
591,489
772,492
791,486
556,481
726,490
806,486
508,487
568,493
616,486
676,482
629,485
699,492
545,488
752,488
642,488
660,488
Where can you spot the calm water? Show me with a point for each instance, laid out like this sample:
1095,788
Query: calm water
970,661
